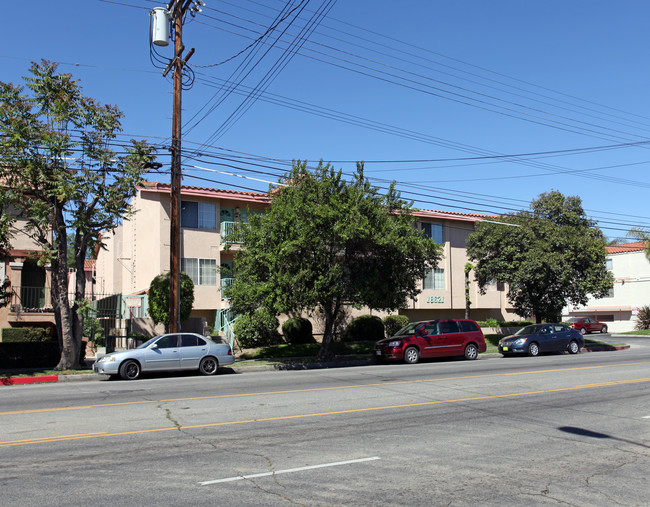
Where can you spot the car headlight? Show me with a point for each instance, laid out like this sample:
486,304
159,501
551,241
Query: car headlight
394,343
519,341
107,359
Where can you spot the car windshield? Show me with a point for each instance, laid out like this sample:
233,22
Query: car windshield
529,329
148,342
408,329
574,319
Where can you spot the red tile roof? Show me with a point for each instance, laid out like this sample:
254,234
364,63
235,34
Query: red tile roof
165,188
626,247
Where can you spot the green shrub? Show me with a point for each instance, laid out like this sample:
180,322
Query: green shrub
29,355
643,318
362,328
515,323
258,329
94,331
394,323
298,330
26,334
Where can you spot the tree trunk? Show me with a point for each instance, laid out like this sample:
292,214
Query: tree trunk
69,347
80,290
331,313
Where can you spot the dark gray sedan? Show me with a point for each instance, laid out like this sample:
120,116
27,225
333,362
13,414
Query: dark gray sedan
168,352
539,338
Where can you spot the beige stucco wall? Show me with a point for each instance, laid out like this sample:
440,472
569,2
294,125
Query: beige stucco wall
631,272
139,250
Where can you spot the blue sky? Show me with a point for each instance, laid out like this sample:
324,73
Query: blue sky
418,89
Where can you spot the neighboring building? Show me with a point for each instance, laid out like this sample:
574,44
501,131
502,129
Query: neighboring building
138,250
31,303
631,270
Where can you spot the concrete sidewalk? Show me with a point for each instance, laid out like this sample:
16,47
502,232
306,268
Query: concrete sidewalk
277,366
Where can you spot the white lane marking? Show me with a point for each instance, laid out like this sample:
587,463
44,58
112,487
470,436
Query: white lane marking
288,471
646,417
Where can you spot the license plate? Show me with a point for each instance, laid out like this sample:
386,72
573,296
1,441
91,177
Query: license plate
378,352
505,348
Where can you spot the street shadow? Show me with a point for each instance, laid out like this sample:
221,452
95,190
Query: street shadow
596,434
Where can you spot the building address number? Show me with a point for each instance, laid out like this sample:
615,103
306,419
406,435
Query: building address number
436,299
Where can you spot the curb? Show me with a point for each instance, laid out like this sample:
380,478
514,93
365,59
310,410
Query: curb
9,381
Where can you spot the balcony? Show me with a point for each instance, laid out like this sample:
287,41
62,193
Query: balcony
225,282
227,231
30,305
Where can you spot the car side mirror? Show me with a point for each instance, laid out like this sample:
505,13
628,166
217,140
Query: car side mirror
154,346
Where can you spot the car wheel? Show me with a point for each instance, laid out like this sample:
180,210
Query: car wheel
471,351
533,349
208,366
603,329
130,370
583,330
411,355
574,348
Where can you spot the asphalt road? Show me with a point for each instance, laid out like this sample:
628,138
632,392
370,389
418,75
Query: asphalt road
557,429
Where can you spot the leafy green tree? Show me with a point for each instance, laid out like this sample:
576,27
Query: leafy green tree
642,235
58,159
468,302
158,305
548,256
327,242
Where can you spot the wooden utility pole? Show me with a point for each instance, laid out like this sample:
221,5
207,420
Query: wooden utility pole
177,10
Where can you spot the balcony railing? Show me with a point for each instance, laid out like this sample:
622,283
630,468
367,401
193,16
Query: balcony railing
29,300
37,300
227,230
225,282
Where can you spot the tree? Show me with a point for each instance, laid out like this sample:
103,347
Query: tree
327,242
57,157
548,256
468,302
158,305
642,235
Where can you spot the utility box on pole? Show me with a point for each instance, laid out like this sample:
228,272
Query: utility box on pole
160,26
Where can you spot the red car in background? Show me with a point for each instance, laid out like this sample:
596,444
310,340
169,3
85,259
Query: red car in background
587,325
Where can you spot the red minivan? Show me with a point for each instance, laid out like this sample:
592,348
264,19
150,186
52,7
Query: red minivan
433,338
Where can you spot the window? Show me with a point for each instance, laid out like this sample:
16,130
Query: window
198,215
168,342
448,326
608,264
433,231
201,271
434,279
466,326
190,340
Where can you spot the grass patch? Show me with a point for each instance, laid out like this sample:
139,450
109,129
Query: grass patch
643,332
590,342
309,350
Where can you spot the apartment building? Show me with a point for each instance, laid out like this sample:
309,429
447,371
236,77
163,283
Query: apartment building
631,270
138,250
31,303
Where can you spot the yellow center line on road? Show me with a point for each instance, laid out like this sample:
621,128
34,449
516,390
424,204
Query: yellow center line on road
62,438
292,391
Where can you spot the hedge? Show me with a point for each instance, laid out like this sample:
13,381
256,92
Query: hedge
26,334
364,328
298,330
29,355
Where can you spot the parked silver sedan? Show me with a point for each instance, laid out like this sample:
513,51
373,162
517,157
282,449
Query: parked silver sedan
168,352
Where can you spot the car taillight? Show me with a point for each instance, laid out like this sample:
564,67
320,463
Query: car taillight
229,351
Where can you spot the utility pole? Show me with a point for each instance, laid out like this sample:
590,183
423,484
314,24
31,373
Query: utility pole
175,13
